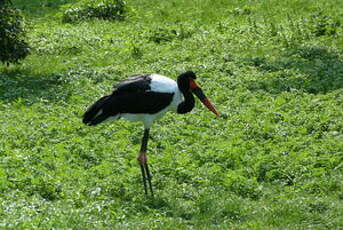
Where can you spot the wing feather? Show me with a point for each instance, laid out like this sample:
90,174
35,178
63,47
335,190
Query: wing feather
133,95
135,83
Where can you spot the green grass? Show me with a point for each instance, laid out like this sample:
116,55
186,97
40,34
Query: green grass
274,69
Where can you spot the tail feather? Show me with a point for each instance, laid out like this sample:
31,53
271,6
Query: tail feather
95,113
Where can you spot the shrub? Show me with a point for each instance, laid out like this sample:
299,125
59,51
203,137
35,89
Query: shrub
88,9
12,34
321,24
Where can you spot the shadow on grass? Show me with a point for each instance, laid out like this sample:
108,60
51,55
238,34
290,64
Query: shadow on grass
314,69
39,8
22,84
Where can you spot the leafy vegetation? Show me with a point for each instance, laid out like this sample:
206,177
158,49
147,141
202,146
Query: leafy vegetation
12,34
87,9
274,69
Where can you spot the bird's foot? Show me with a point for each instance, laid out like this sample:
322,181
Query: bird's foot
142,158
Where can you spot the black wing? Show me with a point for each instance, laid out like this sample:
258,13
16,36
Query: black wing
135,83
139,102
132,95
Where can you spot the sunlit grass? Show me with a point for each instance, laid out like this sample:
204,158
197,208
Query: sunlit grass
274,69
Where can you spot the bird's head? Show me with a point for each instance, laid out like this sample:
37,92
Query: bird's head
187,82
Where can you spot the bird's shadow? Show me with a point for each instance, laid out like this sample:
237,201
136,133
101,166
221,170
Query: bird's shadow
29,87
155,202
313,69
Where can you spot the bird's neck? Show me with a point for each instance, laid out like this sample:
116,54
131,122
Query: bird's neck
188,104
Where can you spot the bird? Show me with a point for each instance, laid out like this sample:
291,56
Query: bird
146,98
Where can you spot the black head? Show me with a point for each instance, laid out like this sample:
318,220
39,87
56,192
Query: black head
190,74
187,85
183,80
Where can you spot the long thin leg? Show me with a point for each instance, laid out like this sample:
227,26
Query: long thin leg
144,179
149,178
142,158
145,140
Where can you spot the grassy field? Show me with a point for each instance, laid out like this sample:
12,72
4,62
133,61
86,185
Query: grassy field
274,69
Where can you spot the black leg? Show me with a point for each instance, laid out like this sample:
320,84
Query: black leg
145,140
143,162
144,179
149,179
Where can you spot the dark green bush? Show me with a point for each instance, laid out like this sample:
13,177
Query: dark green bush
12,44
88,9
321,24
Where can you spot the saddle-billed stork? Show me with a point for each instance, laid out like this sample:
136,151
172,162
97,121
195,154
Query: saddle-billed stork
145,98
